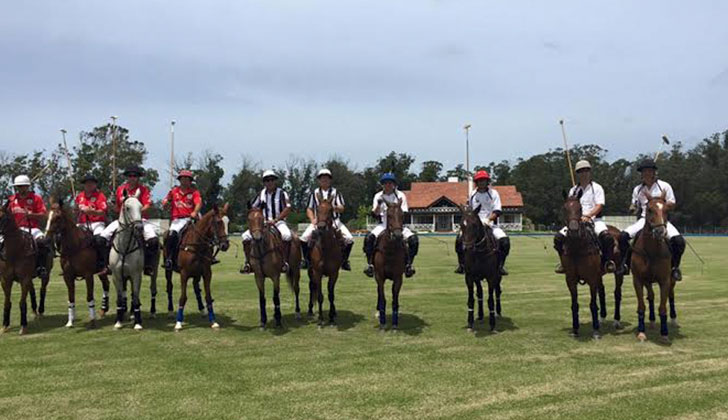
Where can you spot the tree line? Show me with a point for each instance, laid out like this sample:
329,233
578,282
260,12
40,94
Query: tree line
698,175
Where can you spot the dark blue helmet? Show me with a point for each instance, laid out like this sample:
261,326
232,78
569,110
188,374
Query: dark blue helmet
387,176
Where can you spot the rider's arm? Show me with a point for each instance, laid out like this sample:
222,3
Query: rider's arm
197,199
310,215
39,209
597,209
497,206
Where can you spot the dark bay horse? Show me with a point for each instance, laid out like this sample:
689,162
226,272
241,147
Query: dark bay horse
581,261
618,282
390,254
78,260
19,265
196,254
326,258
651,263
480,252
266,260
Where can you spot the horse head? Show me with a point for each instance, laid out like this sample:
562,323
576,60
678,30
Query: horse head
471,227
57,218
395,219
256,223
131,209
572,211
324,213
656,215
5,216
218,226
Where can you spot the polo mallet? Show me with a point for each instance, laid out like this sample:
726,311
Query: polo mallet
68,160
665,141
41,172
467,159
568,155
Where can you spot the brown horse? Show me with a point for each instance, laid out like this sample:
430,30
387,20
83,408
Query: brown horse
481,261
326,258
651,263
20,255
266,258
618,282
78,259
581,261
196,254
390,256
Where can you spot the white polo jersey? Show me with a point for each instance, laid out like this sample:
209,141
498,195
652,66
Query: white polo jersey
273,203
592,196
488,200
380,208
655,191
313,200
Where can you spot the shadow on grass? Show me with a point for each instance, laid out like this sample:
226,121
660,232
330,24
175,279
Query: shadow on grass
502,324
45,323
653,333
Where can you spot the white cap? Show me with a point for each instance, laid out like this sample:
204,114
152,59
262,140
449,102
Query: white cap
324,171
269,173
21,180
582,164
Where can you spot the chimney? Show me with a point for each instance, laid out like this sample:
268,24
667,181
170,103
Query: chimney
453,179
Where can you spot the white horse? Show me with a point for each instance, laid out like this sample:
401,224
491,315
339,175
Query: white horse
127,258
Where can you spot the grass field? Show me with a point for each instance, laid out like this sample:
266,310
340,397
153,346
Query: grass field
432,368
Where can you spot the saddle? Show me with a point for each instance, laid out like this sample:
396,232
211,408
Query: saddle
26,237
591,236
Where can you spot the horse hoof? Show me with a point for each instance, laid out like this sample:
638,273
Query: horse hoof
471,330
574,334
665,339
617,325
298,316
102,313
138,327
23,331
603,319
5,329
673,323
395,329
178,326
652,325
382,328
69,324
118,325
203,312
215,326
153,315
596,336
642,337
39,315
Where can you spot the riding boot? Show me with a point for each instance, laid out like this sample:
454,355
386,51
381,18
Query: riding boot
306,255
606,243
504,248
677,246
413,245
246,269
41,256
345,265
151,250
626,250
103,248
285,251
171,245
461,255
559,247
369,244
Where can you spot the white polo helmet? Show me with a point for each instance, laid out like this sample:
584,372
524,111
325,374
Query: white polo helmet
582,164
324,171
21,180
269,173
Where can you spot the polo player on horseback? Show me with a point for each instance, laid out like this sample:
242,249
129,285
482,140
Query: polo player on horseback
326,192
592,205
186,202
489,202
92,206
151,240
652,187
28,209
389,196
276,206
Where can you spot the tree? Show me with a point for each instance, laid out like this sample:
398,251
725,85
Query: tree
458,172
399,164
243,188
430,171
208,175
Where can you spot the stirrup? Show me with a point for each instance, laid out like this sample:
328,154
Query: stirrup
168,265
609,267
409,271
245,269
560,269
460,269
304,264
503,271
285,267
214,261
346,266
676,274
148,271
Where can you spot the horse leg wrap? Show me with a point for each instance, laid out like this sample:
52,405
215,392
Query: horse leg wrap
181,314
641,321
210,313
6,315
23,314
617,304
673,313
92,309
663,325
71,312
651,303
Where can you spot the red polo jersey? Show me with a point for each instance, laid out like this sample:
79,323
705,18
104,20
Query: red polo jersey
144,196
96,201
183,201
30,203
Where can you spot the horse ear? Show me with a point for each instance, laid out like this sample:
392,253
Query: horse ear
224,209
319,196
664,194
565,194
125,193
248,204
215,208
137,193
579,194
477,209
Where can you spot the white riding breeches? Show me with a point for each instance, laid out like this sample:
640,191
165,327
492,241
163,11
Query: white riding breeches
34,232
638,225
178,224
378,229
96,228
348,238
150,231
599,227
282,228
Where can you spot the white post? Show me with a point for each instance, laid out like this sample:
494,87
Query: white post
113,154
467,159
70,167
171,156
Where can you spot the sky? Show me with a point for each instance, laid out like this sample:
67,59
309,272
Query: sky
272,80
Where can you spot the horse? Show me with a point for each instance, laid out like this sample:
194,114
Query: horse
266,259
19,265
78,259
390,256
196,253
326,259
481,261
127,258
618,282
581,261
169,276
651,263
